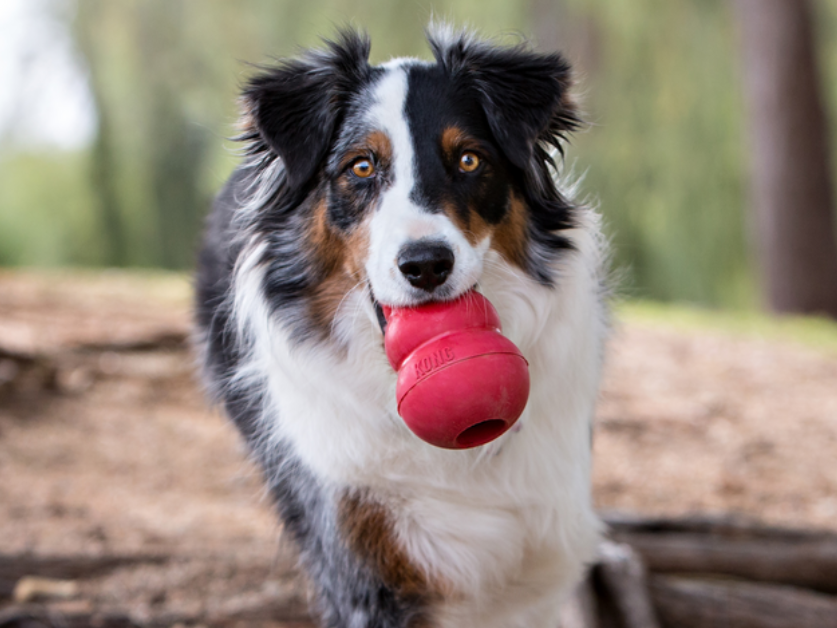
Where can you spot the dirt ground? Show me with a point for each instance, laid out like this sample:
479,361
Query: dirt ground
115,475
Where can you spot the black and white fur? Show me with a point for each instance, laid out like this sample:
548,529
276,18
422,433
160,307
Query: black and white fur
300,253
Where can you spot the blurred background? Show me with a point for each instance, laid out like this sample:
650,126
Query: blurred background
127,502
114,119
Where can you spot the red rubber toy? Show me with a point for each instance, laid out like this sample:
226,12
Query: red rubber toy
461,383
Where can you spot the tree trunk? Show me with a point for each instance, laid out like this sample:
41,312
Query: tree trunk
792,195
103,169
688,602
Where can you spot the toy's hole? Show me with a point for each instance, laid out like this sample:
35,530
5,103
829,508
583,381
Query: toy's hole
481,433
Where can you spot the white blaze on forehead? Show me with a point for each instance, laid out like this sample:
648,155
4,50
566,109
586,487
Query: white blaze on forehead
398,220
388,115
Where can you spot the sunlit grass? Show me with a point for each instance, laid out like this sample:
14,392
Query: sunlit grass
813,331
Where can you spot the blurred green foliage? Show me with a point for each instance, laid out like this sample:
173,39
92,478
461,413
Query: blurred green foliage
665,155
815,332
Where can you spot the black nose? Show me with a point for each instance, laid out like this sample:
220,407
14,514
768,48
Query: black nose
426,265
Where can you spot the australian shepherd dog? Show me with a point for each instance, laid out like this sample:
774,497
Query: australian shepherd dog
395,185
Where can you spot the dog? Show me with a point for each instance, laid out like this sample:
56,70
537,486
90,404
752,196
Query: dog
397,185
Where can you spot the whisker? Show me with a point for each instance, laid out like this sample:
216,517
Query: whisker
358,305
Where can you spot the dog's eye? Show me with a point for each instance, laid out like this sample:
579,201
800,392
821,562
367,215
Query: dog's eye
363,168
469,162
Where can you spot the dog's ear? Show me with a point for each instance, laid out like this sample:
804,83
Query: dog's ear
525,94
294,108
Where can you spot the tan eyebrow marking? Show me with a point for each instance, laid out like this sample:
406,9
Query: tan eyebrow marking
376,142
453,139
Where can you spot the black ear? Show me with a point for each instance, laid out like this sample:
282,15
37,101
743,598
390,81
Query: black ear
525,94
296,106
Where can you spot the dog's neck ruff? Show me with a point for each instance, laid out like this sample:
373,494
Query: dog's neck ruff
488,537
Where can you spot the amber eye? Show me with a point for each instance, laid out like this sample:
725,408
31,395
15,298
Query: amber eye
363,168
469,162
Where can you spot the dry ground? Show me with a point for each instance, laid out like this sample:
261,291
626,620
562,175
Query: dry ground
107,449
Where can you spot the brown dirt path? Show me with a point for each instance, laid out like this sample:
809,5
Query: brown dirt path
108,449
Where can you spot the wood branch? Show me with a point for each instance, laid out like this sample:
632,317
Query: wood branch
71,370
287,611
24,372
580,609
14,567
16,617
623,576
800,563
764,554
35,617
706,524
174,339
159,340
704,603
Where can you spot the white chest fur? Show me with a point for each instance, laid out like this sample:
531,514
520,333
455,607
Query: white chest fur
507,526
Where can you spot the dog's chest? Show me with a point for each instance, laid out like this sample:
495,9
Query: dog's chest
496,557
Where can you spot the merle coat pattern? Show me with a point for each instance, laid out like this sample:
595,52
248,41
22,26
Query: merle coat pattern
347,167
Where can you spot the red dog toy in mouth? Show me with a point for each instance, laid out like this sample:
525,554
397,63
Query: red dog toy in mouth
461,383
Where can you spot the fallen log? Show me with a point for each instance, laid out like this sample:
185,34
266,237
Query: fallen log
579,610
173,340
727,526
16,566
689,602
23,372
25,617
623,578
26,374
733,548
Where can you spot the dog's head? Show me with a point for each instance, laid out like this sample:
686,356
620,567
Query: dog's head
410,172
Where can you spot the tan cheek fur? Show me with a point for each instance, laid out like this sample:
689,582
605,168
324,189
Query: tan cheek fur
508,238
341,260
341,257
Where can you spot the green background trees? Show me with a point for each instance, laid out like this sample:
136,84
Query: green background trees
665,155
